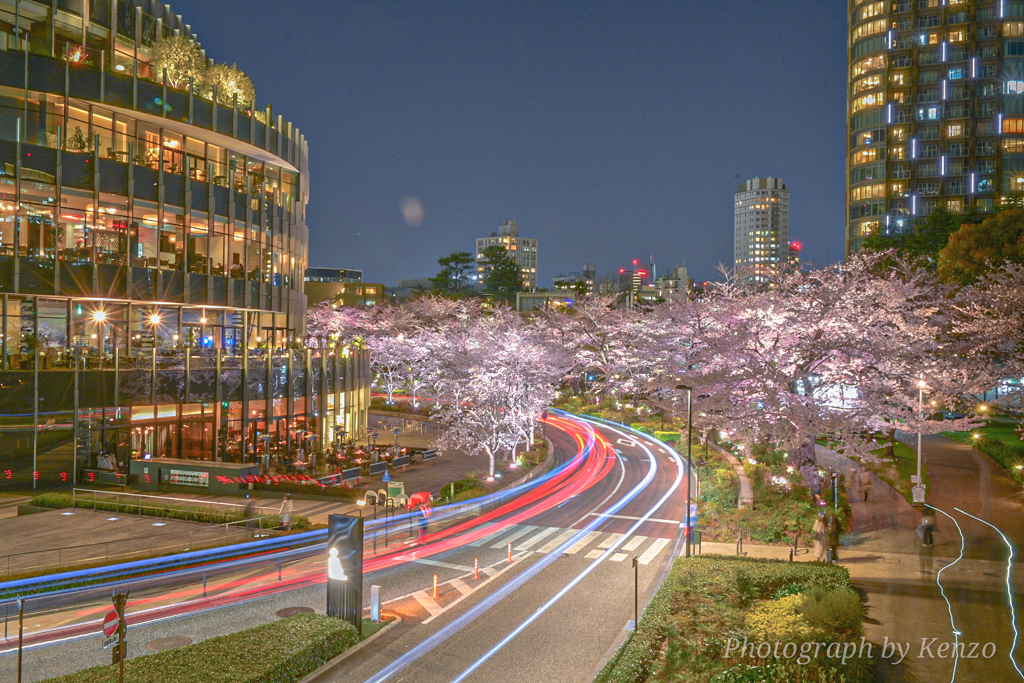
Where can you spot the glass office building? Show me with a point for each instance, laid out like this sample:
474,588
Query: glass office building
152,251
936,110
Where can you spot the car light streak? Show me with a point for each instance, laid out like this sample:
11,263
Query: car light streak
579,577
1009,589
480,608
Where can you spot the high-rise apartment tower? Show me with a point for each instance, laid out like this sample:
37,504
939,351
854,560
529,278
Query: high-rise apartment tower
761,228
522,249
936,110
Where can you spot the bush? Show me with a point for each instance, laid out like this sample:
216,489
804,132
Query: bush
779,620
837,612
280,652
642,428
310,489
189,513
683,632
668,436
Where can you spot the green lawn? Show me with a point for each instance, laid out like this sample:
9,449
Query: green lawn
999,441
906,466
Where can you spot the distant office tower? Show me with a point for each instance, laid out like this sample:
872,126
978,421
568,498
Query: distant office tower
936,110
523,249
761,234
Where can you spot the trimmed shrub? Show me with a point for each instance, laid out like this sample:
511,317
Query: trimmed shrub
280,652
779,620
668,436
837,612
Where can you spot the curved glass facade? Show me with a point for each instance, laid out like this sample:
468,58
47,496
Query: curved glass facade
936,110
152,250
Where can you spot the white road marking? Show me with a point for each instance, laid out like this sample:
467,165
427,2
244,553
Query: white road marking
444,565
537,538
617,557
653,551
583,542
649,519
427,603
489,537
562,538
609,542
634,543
461,586
593,554
517,535
488,571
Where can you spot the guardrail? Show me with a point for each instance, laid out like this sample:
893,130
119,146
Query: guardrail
179,508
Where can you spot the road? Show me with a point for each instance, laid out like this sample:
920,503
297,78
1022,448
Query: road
540,525
556,611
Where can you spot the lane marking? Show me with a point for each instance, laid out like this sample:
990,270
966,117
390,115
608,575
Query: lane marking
517,535
489,537
653,551
583,542
427,603
651,519
540,536
443,565
634,543
461,586
562,538
617,557
489,571
593,555
609,542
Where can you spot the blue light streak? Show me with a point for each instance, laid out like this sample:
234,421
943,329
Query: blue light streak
1009,589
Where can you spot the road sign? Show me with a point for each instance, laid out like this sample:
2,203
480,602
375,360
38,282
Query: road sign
917,494
110,623
387,477
110,641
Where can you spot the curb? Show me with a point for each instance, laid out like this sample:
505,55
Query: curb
340,659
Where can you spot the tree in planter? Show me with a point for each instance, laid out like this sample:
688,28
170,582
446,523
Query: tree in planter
182,59
230,80
79,141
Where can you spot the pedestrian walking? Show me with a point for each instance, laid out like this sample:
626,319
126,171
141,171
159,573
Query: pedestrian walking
250,515
834,531
865,482
424,519
818,532
926,530
286,512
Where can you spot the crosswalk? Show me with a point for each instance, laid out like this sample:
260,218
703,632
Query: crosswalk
543,540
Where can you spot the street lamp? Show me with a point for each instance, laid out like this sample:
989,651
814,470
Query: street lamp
920,414
689,468
361,502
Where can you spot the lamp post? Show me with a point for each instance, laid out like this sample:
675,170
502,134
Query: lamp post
396,441
361,502
920,415
689,467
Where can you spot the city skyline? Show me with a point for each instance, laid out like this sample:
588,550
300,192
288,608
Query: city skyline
482,114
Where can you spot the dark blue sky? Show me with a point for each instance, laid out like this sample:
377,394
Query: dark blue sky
607,130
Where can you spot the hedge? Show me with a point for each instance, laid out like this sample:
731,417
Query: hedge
704,601
280,652
189,513
668,436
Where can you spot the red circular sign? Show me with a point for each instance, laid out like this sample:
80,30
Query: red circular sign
110,624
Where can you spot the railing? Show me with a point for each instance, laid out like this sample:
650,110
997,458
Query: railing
140,504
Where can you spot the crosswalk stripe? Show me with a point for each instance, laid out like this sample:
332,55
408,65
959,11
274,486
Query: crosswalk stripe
634,543
617,557
583,542
559,540
609,542
491,536
593,554
427,603
653,550
517,535
460,585
537,538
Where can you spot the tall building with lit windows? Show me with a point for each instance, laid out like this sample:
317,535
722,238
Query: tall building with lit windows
761,228
522,249
936,110
152,250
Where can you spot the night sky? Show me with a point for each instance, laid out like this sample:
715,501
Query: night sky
607,130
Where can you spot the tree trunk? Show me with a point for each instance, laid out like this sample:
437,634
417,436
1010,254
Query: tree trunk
490,456
890,446
807,464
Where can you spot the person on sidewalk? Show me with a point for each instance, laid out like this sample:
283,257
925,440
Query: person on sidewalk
865,482
250,515
818,532
286,512
926,531
834,531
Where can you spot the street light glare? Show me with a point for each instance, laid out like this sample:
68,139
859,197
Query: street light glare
99,316
155,318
